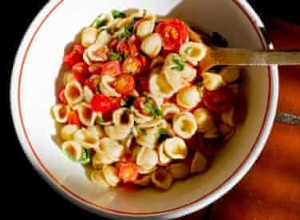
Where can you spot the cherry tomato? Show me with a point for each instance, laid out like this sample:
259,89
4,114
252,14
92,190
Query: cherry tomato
73,118
123,47
145,63
115,103
112,68
80,71
74,56
62,97
132,65
173,33
95,68
134,45
128,171
100,103
143,84
124,84
218,101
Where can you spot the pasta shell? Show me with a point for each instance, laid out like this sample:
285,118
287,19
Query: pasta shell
87,94
189,73
72,149
88,36
162,157
193,52
98,178
188,97
96,130
159,86
73,93
139,118
101,158
123,118
145,28
123,22
110,174
87,139
147,140
67,131
96,53
60,113
179,170
143,180
230,74
116,133
199,163
227,117
211,133
184,125
149,124
142,170
152,45
86,115
212,81
162,179
111,148
226,131
146,158
175,148
204,119
169,110
108,20
105,87
68,77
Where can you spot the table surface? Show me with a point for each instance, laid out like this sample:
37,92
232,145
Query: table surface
271,190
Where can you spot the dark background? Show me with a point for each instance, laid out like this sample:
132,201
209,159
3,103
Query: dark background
24,192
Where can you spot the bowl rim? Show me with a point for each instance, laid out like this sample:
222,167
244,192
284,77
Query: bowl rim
184,209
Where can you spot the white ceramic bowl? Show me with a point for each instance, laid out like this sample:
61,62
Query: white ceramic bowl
33,93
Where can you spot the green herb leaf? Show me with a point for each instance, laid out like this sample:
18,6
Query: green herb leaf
164,131
123,103
117,14
99,119
99,22
151,109
126,31
85,157
187,50
180,64
114,56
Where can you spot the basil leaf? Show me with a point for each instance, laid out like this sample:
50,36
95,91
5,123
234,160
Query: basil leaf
99,119
179,64
99,22
114,56
117,14
85,157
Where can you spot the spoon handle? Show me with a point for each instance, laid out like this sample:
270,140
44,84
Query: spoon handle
229,56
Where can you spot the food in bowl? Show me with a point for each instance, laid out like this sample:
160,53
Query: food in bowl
136,107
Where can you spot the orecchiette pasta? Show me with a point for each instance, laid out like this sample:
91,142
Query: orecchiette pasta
60,113
136,107
73,93
184,125
175,148
188,97
152,45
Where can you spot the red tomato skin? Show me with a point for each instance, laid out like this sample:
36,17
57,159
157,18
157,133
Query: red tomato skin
173,32
112,68
124,84
143,84
132,65
74,56
134,45
128,171
100,103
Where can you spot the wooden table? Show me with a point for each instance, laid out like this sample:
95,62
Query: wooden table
271,190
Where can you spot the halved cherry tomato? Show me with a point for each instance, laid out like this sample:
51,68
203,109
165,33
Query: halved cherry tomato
127,172
145,63
62,97
132,65
124,84
80,71
73,118
143,84
218,101
123,47
74,56
112,68
100,103
173,33
95,68
134,45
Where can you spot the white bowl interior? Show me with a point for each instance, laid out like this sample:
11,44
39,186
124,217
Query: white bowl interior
33,94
